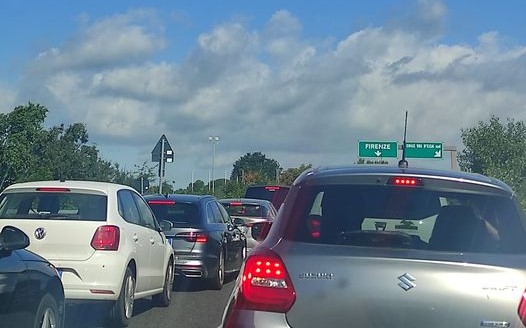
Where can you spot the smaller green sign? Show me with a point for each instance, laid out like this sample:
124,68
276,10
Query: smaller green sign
423,150
377,149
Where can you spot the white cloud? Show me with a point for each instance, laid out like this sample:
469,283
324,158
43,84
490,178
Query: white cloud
273,90
110,41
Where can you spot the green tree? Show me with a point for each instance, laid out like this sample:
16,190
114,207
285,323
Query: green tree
197,188
255,168
29,152
20,131
288,176
498,150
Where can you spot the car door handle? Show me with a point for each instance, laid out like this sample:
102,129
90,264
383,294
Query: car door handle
152,241
135,238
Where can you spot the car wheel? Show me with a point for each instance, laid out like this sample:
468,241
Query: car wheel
163,299
47,313
216,282
122,309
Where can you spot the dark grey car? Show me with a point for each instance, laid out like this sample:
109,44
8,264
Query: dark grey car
388,247
206,241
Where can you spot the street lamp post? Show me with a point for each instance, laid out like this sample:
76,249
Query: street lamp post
213,140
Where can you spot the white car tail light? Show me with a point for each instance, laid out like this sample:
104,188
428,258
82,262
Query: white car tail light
106,238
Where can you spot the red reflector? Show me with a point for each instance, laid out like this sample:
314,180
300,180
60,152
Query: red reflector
106,238
236,204
272,188
266,284
193,237
53,189
405,181
522,308
161,202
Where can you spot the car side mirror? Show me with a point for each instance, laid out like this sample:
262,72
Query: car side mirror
165,225
12,238
260,230
238,222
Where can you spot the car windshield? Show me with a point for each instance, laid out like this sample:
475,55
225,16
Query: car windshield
176,212
403,217
63,206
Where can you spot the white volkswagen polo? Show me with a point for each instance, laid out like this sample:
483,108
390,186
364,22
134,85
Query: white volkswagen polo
102,237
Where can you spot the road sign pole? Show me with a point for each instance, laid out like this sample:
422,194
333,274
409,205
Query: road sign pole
161,167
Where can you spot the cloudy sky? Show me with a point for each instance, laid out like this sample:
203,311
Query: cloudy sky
300,81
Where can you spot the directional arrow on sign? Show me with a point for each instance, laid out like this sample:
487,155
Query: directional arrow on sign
378,153
438,154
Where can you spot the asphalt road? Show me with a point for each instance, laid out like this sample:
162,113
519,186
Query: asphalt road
192,306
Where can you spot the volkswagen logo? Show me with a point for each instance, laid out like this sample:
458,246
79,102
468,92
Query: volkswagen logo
406,281
40,233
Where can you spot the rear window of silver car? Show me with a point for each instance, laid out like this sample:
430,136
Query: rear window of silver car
408,218
53,205
249,210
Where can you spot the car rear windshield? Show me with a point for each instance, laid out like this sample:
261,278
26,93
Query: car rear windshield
408,217
176,212
248,210
275,194
53,205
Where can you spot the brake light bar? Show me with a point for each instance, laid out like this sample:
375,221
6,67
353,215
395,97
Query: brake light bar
161,202
53,189
235,204
272,188
405,181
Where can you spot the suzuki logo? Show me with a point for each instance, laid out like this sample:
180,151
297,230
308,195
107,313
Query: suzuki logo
40,233
406,281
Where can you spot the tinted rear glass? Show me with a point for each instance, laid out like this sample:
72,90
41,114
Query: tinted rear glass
53,205
408,217
176,213
248,210
275,194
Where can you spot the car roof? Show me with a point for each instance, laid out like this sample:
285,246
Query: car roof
106,187
467,177
180,197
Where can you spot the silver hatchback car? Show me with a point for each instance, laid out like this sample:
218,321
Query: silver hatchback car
376,247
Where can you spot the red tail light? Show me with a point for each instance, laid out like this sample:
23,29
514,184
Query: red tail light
106,238
193,237
522,308
265,284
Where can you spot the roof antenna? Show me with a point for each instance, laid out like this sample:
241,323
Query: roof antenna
403,164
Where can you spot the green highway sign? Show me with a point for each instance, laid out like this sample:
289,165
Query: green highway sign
423,150
377,149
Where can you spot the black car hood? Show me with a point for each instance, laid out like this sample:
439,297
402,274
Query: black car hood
29,256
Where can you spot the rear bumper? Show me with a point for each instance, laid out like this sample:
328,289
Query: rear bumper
255,319
99,278
195,266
